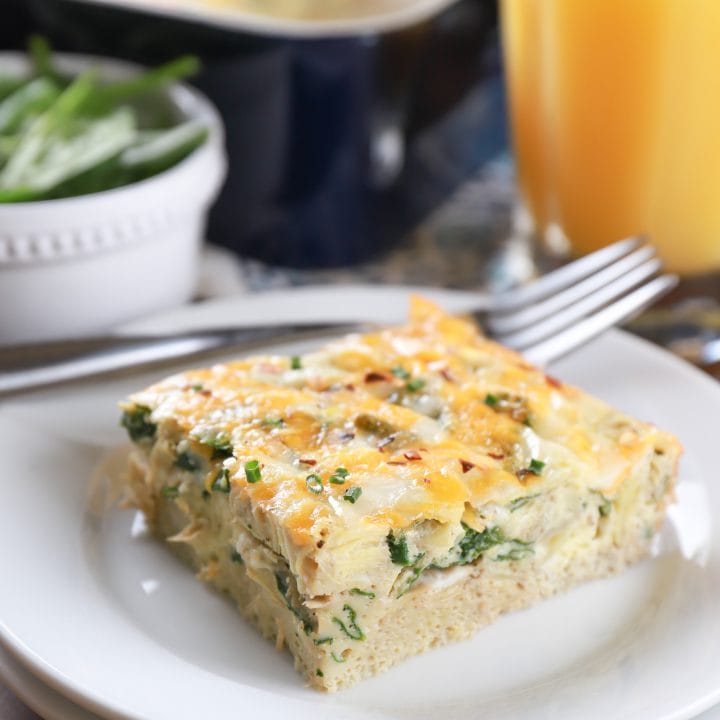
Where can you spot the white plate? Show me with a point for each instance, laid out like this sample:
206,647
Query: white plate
53,706
45,701
395,15
108,618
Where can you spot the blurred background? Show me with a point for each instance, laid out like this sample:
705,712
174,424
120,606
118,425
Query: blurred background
376,150
338,146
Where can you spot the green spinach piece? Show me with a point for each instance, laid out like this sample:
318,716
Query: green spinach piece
138,424
364,593
518,550
283,585
473,544
398,547
519,502
188,461
219,442
350,628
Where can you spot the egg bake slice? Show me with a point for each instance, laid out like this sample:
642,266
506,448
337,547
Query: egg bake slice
393,491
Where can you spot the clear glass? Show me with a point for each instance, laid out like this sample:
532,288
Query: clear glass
615,117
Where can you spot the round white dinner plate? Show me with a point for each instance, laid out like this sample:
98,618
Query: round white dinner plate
106,616
394,15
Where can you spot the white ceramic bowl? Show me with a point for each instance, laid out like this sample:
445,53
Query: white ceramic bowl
81,265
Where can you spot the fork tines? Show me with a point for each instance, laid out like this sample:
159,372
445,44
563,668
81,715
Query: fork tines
569,306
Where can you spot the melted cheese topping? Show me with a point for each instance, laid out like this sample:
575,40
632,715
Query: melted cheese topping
431,421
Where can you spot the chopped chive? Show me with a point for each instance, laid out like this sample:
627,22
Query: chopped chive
295,362
222,481
491,400
236,557
336,658
338,477
415,385
352,494
319,673
400,372
364,593
323,641
252,471
314,484
536,466
206,495
170,491
197,387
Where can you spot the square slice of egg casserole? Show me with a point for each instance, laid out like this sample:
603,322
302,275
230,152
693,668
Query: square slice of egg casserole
393,491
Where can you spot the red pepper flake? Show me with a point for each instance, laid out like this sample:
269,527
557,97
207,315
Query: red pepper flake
496,456
553,381
426,480
412,455
446,374
524,473
372,377
308,461
205,393
466,465
350,387
396,462
268,368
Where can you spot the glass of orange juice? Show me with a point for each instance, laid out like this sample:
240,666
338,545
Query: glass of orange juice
615,118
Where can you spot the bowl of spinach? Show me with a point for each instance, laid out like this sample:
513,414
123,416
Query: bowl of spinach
107,173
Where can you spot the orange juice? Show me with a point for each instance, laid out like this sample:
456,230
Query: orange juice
615,116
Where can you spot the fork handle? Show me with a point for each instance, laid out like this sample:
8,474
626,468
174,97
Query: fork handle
26,367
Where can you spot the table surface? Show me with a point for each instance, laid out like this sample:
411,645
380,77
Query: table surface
475,224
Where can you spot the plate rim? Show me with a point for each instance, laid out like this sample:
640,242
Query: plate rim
24,684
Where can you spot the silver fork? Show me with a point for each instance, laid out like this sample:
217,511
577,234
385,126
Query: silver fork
544,319
564,309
